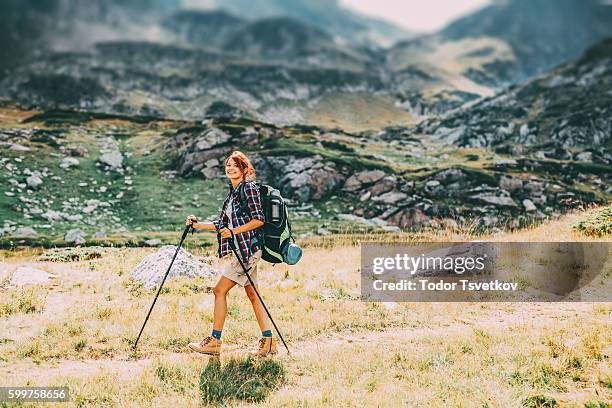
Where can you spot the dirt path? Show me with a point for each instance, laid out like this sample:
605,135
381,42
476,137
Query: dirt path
524,314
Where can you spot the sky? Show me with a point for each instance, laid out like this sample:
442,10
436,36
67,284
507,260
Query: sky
415,15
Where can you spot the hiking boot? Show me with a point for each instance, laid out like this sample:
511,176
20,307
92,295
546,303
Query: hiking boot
267,345
209,345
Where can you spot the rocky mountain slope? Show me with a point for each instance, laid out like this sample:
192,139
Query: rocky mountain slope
281,69
79,176
564,114
328,15
541,33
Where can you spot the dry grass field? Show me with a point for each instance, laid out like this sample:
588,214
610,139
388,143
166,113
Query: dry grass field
78,333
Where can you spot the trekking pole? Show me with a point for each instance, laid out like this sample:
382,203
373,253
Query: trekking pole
187,228
246,271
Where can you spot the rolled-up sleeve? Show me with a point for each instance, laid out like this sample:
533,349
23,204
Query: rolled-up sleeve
254,201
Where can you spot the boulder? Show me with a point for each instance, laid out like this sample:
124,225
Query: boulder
76,151
357,180
68,162
510,183
100,234
151,270
25,232
409,218
365,196
52,215
210,138
450,175
584,157
370,176
34,181
153,242
384,185
534,187
529,205
351,184
391,197
26,275
499,201
19,148
305,178
75,236
112,159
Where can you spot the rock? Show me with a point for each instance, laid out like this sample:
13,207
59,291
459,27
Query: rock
351,184
211,138
371,176
76,151
409,218
510,183
504,163
306,178
19,148
25,232
524,130
52,215
450,175
391,197
68,162
210,173
529,205
153,242
365,196
385,185
356,181
25,275
584,157
534,187
432,185
90,206
100,234
75,236
500,201
34,181
112,159
151,270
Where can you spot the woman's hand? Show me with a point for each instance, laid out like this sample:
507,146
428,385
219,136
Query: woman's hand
225,232
191,219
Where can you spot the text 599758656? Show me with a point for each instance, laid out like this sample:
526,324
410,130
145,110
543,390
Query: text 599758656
34,394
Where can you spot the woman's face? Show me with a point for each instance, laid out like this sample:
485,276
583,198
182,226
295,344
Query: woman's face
232,171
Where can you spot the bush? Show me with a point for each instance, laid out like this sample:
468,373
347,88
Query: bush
539,401
21,301
597,224
71,254
247,379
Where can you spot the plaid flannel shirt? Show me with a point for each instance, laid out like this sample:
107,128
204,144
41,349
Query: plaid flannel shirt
248,242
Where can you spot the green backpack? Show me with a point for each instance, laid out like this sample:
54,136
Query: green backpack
278,242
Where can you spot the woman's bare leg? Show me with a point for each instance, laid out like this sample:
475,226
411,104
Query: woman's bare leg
220,292
260,312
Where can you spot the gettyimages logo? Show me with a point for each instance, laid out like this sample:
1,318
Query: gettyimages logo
413,264
485,271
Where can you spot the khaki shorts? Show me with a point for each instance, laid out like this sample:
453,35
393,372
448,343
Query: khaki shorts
234,272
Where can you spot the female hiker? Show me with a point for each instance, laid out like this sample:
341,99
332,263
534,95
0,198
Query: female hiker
243,224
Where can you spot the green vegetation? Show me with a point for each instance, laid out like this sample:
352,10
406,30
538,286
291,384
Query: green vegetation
242,379
597,223
71,254
21,300
540,401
